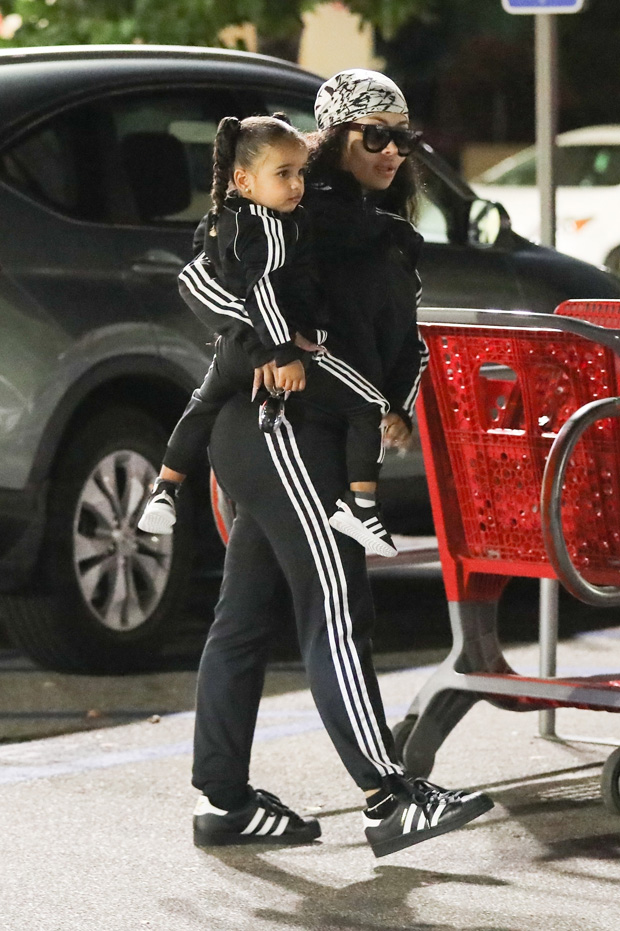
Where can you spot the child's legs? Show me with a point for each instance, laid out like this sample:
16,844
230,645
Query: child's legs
230,371
338,388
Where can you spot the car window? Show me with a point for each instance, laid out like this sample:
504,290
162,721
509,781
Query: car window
131,158
523,174
59,164
300,111
430,220
589,166
576,166
436,207
42,164
166,144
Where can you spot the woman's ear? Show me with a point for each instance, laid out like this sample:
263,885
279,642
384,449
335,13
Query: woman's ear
242,181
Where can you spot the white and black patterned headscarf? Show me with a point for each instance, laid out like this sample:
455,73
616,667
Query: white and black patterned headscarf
354,93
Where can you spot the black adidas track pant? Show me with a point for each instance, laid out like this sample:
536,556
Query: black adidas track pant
284,486
331,384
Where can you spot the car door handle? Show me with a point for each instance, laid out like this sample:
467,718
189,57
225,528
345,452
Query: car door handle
157,262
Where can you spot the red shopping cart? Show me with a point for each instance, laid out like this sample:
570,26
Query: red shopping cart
519,425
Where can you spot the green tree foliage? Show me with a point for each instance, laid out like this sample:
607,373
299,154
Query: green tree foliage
85,22
388,16
184,22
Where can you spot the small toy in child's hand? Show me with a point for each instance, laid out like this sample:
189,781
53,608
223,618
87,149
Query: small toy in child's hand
271,413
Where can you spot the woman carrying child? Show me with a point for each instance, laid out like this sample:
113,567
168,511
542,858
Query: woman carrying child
252,282
284,484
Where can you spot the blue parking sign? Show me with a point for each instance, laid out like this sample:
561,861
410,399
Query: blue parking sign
543,6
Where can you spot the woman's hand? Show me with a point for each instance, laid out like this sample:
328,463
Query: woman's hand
396,432
291,377
265,375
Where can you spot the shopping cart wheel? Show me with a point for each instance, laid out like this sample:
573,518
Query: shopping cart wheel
610,782
416,763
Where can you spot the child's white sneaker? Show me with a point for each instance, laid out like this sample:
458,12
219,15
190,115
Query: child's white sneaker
159,515
364,524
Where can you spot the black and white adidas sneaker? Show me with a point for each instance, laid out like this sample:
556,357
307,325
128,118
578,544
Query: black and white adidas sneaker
416,810
364,525
159,515
264,819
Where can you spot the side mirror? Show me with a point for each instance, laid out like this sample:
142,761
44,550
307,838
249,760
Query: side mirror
486,222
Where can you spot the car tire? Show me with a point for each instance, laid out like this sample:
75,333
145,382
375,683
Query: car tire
108,597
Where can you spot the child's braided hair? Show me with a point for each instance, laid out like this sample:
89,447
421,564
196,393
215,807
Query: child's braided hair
239,142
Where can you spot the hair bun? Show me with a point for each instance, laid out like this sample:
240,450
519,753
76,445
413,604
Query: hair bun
283,117
230,127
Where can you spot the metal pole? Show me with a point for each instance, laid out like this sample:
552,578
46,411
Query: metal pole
546,129
548,643
546,120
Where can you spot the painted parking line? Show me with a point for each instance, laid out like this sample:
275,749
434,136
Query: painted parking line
300,722
272,725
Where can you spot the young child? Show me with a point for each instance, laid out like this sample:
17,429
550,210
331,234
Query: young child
251,283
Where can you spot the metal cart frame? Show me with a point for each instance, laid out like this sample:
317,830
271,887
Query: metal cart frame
518,422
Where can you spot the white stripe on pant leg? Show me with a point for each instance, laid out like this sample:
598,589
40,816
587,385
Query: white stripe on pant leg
352,373
352,379
383,429
344,632
330,594
348,653
370,742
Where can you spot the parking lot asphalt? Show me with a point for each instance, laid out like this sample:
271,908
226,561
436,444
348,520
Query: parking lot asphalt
35,702
95,827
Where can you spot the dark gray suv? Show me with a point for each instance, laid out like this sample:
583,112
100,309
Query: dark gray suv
104,172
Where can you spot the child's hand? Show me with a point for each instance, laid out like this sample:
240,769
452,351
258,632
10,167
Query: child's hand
264,375
291,377
397,433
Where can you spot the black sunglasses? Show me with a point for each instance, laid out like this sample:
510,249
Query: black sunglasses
376,137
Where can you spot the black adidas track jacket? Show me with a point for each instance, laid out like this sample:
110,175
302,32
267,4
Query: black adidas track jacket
252,279
366,260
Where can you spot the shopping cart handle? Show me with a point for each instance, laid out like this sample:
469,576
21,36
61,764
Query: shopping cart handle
551,504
